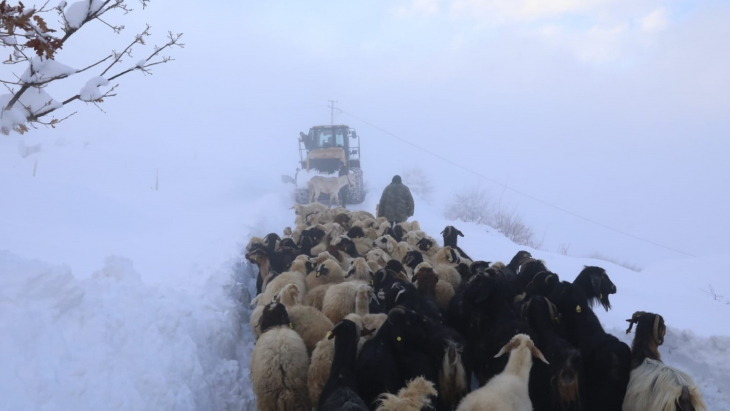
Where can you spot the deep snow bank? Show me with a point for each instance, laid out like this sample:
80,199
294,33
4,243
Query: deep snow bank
111,342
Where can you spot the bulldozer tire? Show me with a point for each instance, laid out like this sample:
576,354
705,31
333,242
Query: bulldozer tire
357,193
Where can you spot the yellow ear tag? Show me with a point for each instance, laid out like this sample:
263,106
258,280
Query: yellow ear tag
578,309
428,246
318,274
397,338
291,326
600,296
372,282
329,335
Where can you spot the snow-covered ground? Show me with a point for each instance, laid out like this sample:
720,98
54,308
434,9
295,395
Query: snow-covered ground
117,296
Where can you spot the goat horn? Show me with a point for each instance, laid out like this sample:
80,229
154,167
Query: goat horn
634,319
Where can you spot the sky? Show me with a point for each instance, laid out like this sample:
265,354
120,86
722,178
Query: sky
614,110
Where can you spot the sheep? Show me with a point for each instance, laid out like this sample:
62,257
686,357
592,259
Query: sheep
297,274
451,235
305,209
411,260
362,215
307,321
510,269
607,360
327,272
446,255
279,364
321,362
340,299
413,237
359,271
654,386
398,268
596,286
253,241
340,391
444,272
507,391
414,397
560,385
428,246
363,244
404,293
386,243
342,219
328,185
429,286
377,256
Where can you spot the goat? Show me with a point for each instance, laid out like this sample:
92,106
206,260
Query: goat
595,285
654,386
451,235
340,391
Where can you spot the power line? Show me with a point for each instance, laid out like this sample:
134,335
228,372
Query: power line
442,158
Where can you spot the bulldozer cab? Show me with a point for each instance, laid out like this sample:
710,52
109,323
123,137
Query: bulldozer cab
324,148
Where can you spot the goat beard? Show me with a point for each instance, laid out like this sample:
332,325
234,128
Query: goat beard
568,392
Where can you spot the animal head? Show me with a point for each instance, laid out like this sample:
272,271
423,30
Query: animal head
274,315
518,258
356,232
398,232
406,327
412,259
359,266
426,278
542,284
326,268
479,267
539,310
451,231
522,341
288,242
649,326
257,256
386,243
289,295
600,285
426,244
316,233
396,267
345,329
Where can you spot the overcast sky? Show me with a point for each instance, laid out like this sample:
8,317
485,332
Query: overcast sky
616,110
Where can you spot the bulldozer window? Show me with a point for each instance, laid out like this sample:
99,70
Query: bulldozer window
340,139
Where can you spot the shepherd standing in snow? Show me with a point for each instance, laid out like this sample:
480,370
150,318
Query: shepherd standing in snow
396,203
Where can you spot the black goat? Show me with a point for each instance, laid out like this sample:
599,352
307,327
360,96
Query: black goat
406,294
412,259
596,286
558,386
451,235
607,361
425,244
260,257
397,267
544,283
346,245
356,232
511,268
340,391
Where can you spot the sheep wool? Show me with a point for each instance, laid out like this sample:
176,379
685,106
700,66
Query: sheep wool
279,366
655,387
414,397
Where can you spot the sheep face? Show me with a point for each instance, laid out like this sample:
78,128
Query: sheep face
412,259
289,295
425,244
397,267
522,341
257,256
360,266
315,233
274,315
356,232
288,242
386,243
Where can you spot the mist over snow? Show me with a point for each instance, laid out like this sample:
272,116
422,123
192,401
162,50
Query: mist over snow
122,282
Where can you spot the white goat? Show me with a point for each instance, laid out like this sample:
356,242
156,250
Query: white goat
508,390
328,185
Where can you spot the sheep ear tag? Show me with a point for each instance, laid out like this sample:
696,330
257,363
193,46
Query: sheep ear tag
600,296
372,282
398,338
330,335
291,326
578,309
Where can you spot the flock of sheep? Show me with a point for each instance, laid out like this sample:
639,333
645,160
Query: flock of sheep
353,313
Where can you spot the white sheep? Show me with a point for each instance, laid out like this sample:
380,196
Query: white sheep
359,271
378,256
340,299
328,185
328,272
296,275
507,391
656,387
306,209
279,365
307,321
415,396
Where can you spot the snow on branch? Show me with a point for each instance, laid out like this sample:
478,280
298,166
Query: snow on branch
32,43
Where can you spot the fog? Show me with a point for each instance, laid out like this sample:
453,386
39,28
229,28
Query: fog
617,112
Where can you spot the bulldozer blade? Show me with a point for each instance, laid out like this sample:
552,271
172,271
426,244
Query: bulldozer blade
288,179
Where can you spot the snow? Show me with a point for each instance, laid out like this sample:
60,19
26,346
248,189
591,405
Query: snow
116,296
140,63
78,11
90,91
43,69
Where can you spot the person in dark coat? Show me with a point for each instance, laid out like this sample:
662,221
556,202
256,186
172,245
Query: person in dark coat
345,190
396,203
